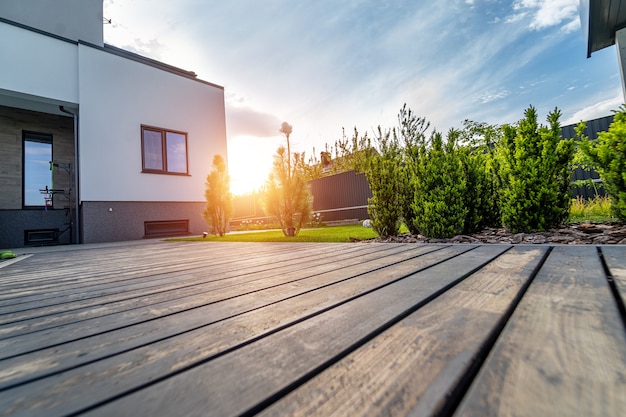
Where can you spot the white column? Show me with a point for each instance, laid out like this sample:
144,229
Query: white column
620,43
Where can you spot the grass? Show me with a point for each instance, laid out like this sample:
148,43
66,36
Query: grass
322,234
597,209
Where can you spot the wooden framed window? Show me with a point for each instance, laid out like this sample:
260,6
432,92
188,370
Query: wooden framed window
36,172
163,151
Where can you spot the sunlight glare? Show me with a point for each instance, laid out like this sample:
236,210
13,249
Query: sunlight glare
250,162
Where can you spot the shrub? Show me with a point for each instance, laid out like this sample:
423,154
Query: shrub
287,195
608,156
383,174
440,185
219,207
535,169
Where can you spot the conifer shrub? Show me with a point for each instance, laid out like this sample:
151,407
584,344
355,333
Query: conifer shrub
535,170
219,206
383,172
440,185
287,194
608,157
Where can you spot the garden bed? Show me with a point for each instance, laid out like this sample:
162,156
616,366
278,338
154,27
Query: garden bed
574,234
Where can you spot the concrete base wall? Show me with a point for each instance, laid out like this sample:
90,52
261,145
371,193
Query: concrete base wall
104,221
15,222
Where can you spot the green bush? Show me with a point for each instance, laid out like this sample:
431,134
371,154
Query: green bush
383,174
608,157
535,170
219,206
481,167
440,185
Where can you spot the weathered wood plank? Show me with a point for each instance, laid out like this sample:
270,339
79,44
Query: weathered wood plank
157,283
81,277
187,313
615,257
222,333
232,383
180,293
412,367
563,352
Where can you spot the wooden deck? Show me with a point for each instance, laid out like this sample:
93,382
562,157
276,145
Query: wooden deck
227,329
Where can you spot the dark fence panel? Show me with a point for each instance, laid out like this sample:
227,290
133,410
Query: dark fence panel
341,196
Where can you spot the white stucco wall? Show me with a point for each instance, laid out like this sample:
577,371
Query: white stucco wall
72,19
38,65
117,96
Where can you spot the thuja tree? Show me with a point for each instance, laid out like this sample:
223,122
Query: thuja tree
219,206
608,157
440,185
535,169
383,174
411,134
483,181
287,194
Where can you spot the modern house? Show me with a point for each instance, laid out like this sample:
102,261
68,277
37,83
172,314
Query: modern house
97,143
604,25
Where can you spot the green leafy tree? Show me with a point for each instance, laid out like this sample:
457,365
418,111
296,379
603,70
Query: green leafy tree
440,185
608,157
483,182
219,207
383,174
535,168
411,134
287,194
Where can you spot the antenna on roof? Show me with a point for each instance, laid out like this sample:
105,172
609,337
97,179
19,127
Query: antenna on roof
106,21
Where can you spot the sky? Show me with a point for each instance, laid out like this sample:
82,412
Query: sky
325,65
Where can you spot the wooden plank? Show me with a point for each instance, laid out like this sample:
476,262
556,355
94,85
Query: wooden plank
412,367
615,257
189,312
563,352
315,333
232,383
181,295
272,307
81,278
148,285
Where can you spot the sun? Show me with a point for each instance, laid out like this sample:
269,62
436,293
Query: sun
249,163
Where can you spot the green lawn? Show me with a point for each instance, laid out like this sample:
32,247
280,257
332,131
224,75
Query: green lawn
322,234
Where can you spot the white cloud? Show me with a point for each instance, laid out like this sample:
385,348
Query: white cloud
548,13
598,109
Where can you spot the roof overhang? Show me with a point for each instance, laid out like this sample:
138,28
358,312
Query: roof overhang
600,20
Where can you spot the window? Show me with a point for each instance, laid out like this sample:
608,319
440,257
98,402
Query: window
36,173
163,151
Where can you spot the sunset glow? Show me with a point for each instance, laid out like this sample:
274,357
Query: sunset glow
250,162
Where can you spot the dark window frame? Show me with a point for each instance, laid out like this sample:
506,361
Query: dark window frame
31,136
163,133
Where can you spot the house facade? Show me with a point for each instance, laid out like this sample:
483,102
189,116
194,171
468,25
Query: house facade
97,143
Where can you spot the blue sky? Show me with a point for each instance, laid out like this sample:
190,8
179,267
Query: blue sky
323,65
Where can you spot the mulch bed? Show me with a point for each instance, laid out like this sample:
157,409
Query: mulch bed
573,234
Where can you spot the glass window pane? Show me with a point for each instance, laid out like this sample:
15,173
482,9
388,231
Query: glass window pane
37,174
152,150
176,152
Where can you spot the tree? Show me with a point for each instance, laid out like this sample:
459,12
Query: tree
384,176
287,194
535,170
608,157
219,207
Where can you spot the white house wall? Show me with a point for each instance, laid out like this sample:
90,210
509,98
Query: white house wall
117,96
39,65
